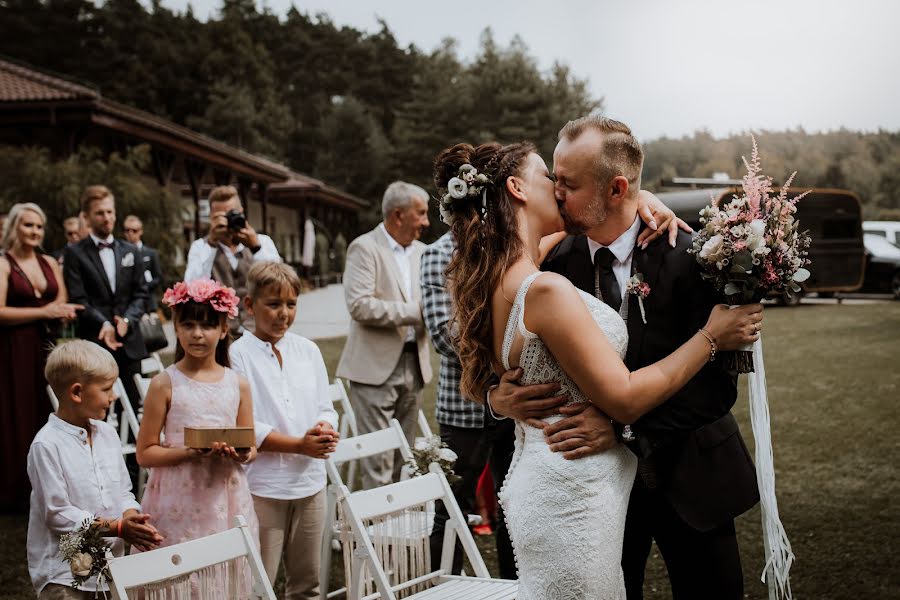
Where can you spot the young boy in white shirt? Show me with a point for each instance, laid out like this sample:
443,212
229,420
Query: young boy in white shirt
77,472
295,428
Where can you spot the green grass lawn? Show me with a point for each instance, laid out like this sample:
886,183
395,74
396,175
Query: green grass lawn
834,386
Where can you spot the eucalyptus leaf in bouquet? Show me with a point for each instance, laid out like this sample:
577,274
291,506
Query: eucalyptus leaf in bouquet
753,245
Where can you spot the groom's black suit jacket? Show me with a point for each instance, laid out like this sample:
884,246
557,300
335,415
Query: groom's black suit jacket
693,441
88,285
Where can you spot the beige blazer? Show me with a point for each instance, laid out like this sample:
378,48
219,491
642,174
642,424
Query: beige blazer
380,311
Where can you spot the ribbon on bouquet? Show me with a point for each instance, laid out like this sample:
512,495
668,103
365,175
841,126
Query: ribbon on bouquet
779,556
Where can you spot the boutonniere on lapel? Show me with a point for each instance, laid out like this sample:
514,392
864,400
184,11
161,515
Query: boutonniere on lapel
128,260
636,286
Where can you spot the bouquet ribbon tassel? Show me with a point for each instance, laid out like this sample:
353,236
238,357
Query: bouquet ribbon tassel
778,553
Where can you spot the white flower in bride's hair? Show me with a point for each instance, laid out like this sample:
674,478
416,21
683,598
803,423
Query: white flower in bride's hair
81,564
457,188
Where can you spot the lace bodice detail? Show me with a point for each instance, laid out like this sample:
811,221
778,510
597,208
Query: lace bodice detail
537,363
566,518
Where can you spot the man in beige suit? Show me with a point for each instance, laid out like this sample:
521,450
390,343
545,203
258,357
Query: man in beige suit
386,354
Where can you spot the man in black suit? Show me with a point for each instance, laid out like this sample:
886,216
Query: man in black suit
695,474
107,277
149,257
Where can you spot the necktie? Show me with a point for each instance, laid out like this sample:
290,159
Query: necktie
101,245
608,285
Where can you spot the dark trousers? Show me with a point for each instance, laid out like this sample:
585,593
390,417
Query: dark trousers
474,448
701,564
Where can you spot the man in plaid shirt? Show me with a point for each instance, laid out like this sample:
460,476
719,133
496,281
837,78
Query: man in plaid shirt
465,425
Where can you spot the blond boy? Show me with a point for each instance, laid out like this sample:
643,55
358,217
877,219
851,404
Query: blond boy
295,429
77,472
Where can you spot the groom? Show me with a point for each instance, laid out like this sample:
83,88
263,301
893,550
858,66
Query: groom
695,474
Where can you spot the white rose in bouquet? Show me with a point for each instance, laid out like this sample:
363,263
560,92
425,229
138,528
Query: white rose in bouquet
713,249
81,564
447,454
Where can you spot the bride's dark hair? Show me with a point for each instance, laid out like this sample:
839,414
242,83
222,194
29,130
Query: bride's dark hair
487,243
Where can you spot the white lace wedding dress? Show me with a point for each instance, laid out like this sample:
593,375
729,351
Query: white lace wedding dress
566,518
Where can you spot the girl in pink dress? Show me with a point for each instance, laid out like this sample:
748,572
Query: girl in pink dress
194,493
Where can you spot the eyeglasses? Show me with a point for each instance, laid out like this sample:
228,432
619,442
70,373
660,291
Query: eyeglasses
131,230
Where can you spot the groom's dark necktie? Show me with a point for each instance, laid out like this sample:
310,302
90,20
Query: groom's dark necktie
608,284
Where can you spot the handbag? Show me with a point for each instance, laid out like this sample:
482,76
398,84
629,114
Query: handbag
153,333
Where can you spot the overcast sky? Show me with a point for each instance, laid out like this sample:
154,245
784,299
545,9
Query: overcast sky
670,67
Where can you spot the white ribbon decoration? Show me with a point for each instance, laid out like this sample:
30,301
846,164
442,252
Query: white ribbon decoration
779,556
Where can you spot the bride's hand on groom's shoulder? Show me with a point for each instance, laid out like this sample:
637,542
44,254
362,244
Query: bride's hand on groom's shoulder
528,403
586,430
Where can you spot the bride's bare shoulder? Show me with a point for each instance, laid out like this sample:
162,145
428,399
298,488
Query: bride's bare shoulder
551,287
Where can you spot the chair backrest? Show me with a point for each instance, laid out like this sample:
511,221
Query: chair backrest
338,392
152,364
416,494
54,401
129,425
172,562
363,446
424,427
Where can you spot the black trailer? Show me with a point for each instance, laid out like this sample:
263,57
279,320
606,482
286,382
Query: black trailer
833,218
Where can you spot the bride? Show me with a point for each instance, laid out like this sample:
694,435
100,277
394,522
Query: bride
566,518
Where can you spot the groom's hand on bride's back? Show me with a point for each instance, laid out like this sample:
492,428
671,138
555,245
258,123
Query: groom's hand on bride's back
586,430
528,403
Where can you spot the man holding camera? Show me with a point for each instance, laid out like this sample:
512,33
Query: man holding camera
229,250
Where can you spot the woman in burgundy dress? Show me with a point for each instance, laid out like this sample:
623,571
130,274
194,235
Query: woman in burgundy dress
32,301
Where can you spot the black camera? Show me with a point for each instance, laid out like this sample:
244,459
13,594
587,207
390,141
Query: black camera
236,219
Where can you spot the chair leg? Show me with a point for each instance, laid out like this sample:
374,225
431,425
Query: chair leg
327,536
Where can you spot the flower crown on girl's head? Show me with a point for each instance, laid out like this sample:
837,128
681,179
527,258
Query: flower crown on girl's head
203,291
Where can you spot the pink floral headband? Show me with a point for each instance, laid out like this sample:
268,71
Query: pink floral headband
203,291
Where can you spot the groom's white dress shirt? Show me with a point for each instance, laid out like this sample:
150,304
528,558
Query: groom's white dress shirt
289,398
623,249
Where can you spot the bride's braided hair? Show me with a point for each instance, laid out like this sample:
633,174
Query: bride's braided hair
487,243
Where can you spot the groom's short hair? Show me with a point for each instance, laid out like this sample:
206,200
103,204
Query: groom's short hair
620,153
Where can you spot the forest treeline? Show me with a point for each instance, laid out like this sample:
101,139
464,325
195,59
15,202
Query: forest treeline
357,109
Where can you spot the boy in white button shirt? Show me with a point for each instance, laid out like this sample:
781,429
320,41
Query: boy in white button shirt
295,429
77,472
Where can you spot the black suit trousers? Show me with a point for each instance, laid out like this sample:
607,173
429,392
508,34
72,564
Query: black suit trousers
701,564
474,449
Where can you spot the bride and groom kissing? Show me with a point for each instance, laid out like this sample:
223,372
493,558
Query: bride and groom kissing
607,339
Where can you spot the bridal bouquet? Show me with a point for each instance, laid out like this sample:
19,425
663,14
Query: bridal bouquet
752,245
85,550
429,450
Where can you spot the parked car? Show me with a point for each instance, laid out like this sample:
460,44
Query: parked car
833,219
882,265
889,230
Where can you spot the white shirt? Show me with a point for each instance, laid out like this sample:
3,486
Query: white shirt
290,400
623,249
401,257
71,481
108,258
201,256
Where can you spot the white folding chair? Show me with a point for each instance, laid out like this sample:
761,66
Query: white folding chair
351,450
147,571
54,401
152,364
424,427
339,397
396,505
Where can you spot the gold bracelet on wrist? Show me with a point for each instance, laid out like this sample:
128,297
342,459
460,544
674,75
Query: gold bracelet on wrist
712,343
